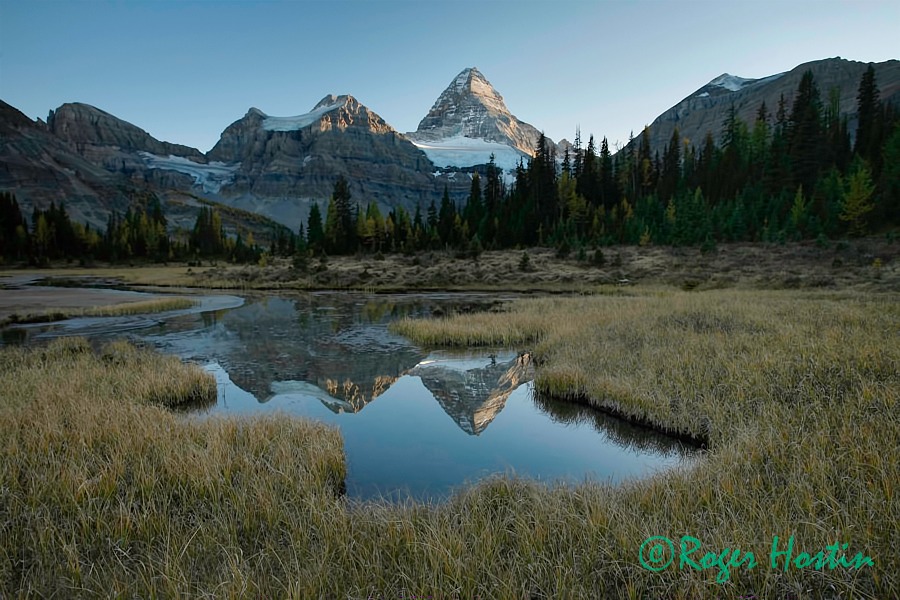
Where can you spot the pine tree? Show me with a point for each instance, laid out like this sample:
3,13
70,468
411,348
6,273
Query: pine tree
608,194
671,167
868,109
805,138
493,197
343,231
889,209
446,219
474,209
315,232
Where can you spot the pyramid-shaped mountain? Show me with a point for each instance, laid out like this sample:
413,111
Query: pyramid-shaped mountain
469,122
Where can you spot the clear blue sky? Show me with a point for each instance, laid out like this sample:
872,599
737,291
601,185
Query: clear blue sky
184,70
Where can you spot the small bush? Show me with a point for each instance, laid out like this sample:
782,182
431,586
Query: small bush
525,262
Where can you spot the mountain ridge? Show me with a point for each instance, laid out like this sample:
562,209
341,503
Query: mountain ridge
277,166
704,110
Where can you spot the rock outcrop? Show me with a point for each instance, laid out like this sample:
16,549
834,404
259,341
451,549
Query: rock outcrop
90,129
39,168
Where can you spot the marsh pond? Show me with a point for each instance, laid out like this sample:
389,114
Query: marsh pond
417,422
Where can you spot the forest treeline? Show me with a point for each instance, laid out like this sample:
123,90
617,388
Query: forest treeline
791,174
140,234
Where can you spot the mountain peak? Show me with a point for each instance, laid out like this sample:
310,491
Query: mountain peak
469,122
334,101
730,82
470,82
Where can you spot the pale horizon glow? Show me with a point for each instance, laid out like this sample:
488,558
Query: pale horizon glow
184,71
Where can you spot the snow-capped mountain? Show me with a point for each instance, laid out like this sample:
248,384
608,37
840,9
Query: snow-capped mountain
288,162
469,122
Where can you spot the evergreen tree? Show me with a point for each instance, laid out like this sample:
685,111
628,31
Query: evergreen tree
493,197
805,138
474,209
889,209
868,110
340,230
671,167
315,232
608,193
446,219
12,228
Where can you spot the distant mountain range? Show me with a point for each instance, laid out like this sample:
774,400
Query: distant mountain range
277,166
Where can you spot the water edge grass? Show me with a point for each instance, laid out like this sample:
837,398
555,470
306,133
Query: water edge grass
154,305
796,392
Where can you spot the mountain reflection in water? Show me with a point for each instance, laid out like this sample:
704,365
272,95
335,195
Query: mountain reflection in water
470,392
330,356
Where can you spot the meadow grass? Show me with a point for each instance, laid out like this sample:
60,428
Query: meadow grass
155,305
102,492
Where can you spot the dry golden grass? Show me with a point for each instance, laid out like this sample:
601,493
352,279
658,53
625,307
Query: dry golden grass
161,275
870,264
155,305
797,393
103,491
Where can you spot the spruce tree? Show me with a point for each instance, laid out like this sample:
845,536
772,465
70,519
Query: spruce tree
805,139
315,232
868,109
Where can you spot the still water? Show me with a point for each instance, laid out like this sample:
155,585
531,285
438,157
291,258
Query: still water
416,422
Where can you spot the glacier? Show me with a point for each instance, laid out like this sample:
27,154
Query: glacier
211,177
299,121
460,151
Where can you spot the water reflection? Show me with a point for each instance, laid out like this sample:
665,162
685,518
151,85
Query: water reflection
331,357
619,431
470,391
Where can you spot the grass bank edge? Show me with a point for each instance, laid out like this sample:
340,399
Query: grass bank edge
140,307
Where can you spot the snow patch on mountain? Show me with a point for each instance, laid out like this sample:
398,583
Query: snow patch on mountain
731,82
299,121
734,83
460,151
211,177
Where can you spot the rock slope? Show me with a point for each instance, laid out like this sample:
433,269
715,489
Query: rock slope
706,109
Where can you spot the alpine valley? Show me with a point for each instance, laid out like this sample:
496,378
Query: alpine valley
270,169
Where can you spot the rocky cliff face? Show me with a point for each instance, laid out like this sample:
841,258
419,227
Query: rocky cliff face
469,121
274,166
90,129
286,162
122,148
40,168
705,110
